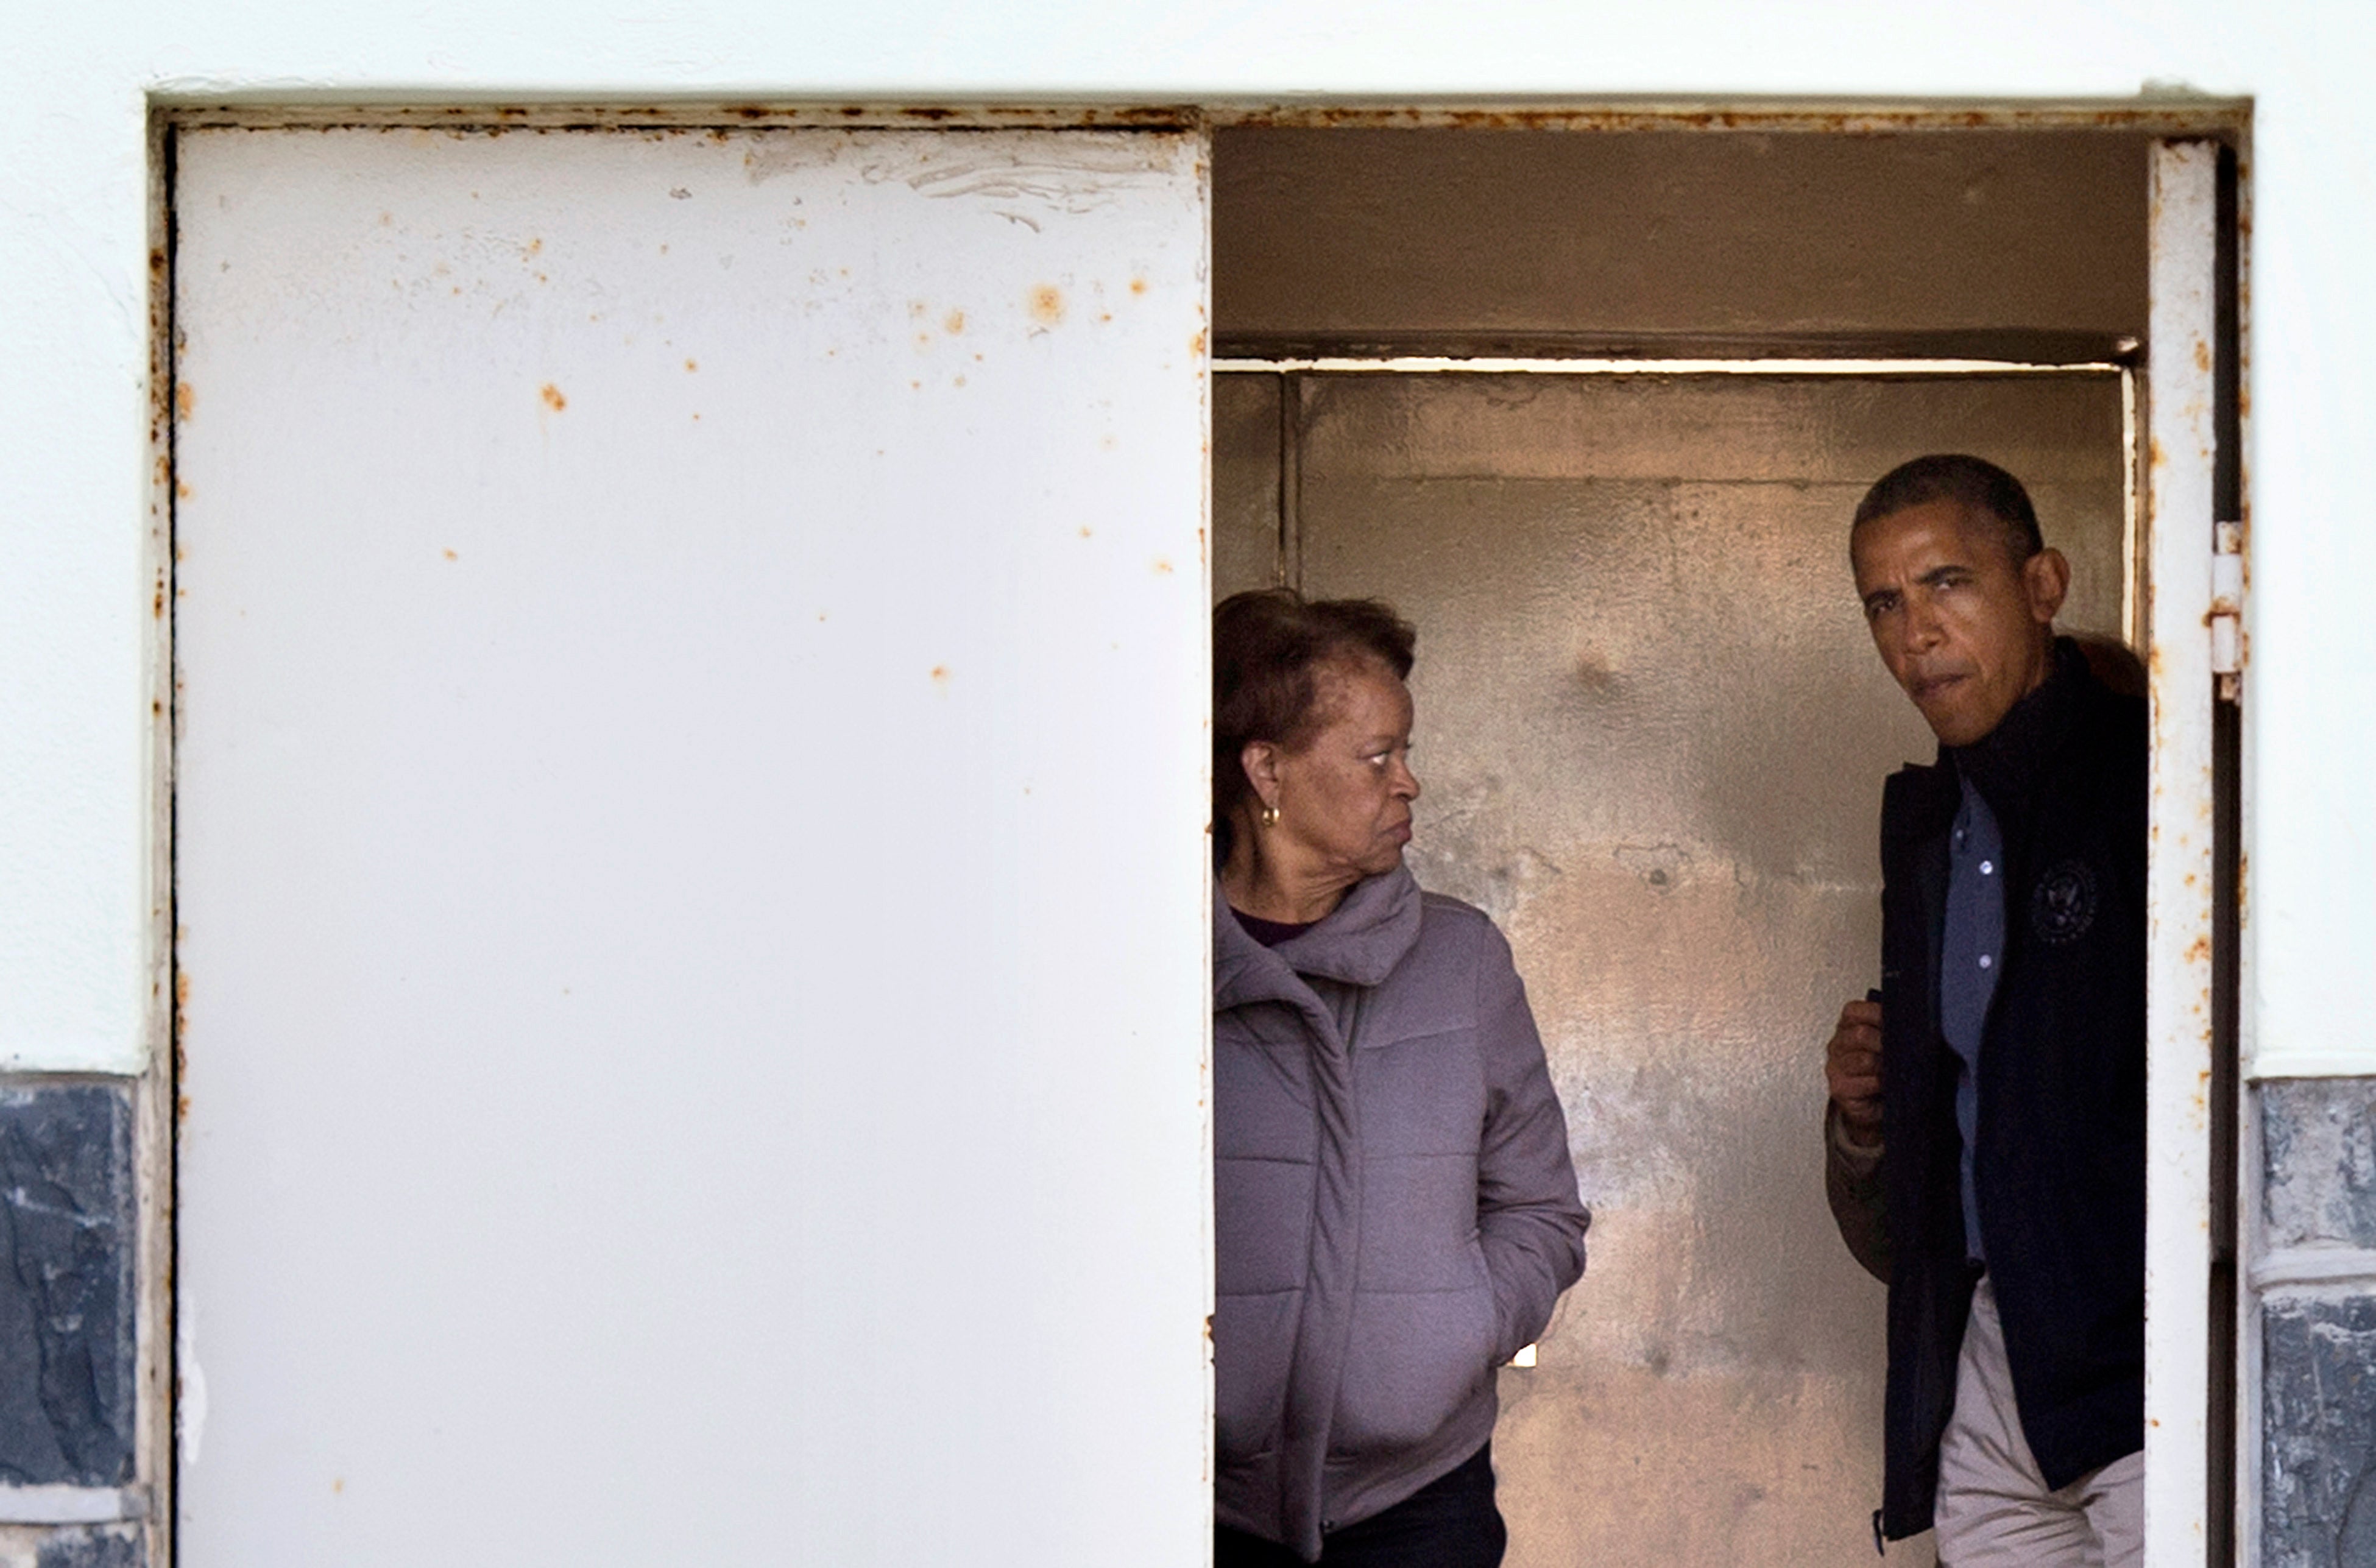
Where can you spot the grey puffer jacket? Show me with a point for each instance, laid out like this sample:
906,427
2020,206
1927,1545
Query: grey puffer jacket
1395,1212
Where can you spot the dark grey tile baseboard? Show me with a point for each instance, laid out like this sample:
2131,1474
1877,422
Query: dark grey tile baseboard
66,1301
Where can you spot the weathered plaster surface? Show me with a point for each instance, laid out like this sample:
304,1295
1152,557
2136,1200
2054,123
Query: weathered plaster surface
72,1546
65,1285
2318,1400
112,1547
2317,1138
2318,1392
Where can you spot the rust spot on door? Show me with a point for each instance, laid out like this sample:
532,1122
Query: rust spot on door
553,397
955,324
185,399
1138,285
1047,304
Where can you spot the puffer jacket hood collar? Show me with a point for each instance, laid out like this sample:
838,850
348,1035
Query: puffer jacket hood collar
1359,942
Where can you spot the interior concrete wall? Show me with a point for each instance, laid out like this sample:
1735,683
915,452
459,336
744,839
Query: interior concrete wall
2029,242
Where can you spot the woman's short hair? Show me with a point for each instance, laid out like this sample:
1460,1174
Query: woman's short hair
1971,483
1269,647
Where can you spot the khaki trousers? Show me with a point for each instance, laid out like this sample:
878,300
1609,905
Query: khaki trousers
1994,1509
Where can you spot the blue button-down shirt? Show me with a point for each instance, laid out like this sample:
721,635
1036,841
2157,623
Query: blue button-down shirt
1971,958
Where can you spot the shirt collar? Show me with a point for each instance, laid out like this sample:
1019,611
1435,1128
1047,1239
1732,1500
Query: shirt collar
2007,762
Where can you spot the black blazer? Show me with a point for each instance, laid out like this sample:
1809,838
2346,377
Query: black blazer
2061,1162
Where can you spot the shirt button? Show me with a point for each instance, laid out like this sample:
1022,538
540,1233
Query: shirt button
1988,867
1985,962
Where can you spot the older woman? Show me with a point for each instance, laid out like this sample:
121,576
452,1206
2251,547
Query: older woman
1396,1210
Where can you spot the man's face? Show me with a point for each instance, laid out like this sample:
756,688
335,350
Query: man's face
1964,628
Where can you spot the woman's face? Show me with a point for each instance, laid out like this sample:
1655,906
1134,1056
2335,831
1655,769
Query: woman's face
1345,796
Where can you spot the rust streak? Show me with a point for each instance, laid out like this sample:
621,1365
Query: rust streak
1862,120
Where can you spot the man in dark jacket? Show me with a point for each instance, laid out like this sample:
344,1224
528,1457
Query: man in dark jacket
1985,1131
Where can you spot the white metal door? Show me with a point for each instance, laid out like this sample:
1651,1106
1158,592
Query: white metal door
2181,449
693,647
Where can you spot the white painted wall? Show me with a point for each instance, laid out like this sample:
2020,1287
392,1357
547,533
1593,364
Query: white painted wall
77,807
689,1055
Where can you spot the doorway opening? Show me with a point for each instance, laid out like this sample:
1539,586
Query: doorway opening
1593,410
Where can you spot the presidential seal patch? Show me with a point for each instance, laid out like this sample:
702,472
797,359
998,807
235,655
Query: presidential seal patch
2064,906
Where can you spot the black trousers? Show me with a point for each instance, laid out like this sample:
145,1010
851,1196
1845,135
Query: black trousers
1449,1523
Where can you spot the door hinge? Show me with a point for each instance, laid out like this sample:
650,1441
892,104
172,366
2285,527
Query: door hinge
2227,610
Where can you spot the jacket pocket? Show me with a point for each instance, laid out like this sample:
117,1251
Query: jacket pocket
1417,1359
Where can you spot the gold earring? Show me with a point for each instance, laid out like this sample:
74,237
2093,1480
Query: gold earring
1270,816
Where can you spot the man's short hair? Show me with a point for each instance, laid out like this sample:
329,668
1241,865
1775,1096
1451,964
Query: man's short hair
1972,481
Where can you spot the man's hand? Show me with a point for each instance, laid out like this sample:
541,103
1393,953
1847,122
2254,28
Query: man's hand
1852,1071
